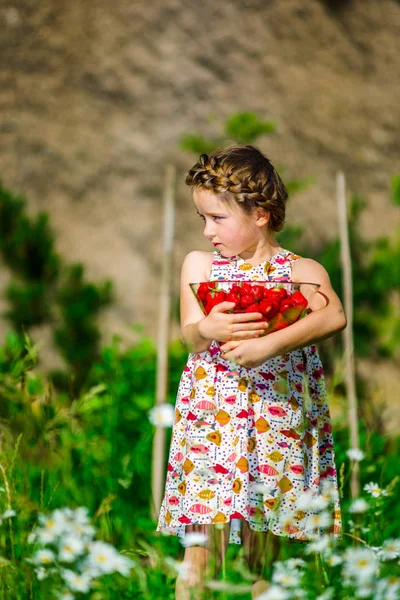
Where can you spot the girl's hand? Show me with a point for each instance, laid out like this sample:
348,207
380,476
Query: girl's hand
247,353
223,327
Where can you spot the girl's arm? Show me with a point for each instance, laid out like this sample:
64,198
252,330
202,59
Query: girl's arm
327,319
198,331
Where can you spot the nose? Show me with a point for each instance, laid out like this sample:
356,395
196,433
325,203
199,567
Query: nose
209,230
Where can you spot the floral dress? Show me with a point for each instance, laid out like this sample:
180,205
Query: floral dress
247,442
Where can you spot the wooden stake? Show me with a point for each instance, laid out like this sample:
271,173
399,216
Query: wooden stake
163,336
345,256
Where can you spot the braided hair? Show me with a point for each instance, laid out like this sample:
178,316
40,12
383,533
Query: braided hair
246,175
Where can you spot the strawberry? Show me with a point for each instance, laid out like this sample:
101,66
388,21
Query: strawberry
236,289
253,308
247,287
286,304
258,292
203,290
233,297
246,300
298,299
268,308
276,294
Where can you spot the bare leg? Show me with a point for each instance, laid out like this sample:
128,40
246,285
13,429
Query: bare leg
204,561
191,588
261,550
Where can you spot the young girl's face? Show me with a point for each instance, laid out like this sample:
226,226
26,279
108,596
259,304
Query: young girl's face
226,225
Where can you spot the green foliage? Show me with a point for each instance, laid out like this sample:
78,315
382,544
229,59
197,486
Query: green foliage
96,452
376,278
396,189
246,127
45,290
197,143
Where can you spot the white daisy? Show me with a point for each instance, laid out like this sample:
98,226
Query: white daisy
275,592
360,565
359,505
355,454
319,521
78,521
69,548
310,501
333,560
390,550
123,564
77,582
287,579
102,557
286,519
65,595
43,557
261,488
52,526
194,539
319,545
375,490
8,513
387,589
295,563
41,573
162,415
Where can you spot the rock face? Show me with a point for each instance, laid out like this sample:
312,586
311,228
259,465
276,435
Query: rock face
95,96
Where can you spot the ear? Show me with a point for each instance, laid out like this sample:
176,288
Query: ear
262,217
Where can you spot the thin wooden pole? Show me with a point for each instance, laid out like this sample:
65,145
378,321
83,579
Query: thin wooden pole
163,335
350,380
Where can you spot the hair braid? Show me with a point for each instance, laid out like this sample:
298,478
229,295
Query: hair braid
244,173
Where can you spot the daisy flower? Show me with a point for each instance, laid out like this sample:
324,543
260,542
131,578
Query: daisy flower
358,506
77,582
355,454
319,545
275,592
194,539
375,490
360,565
70,547
390,550
162,415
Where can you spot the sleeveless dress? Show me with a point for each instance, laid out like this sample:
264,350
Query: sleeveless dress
246,442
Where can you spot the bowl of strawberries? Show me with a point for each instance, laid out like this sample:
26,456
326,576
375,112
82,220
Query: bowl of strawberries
281,303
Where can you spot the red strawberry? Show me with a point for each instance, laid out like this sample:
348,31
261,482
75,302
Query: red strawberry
253,308
276,294
287,303
258,292
203,290
247,287
246,300
268,307
233,297
298,299
236,289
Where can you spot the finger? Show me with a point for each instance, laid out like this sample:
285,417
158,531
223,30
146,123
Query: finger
231,345
223,307
247,335
250,327
243,317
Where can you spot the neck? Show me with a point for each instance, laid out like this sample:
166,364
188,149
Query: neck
262,251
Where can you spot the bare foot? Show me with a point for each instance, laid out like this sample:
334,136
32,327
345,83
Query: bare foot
258,588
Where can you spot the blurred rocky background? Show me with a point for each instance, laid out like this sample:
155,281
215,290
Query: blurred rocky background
95,97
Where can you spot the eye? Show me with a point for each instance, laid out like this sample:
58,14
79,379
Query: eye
201,216
216,218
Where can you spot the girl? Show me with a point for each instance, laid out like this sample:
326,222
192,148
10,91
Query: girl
235,470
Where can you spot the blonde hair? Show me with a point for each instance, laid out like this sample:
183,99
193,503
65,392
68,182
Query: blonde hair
246,175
